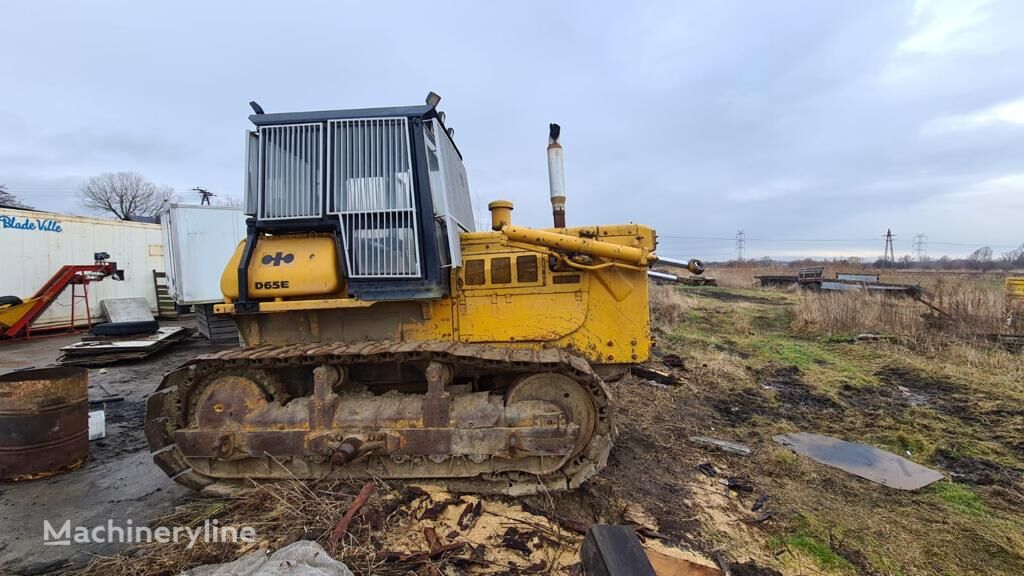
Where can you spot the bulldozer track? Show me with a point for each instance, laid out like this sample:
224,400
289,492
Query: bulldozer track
168,408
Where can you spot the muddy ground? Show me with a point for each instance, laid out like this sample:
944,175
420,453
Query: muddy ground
118,482
741,373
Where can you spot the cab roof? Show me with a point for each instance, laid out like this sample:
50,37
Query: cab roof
421,111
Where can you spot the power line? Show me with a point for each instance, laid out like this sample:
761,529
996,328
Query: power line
701,255
971,245
732,240
694,237
22,191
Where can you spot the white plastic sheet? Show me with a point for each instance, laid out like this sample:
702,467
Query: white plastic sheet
303,558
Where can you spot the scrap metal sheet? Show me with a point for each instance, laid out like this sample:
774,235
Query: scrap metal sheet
126,309
861,460
135,344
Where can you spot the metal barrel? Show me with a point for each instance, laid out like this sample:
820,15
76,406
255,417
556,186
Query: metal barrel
44,422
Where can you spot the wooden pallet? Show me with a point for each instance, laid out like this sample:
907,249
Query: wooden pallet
103,352
218,328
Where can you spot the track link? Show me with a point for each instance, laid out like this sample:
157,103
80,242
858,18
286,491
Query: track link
168,408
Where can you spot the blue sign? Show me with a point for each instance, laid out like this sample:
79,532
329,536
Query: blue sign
47,225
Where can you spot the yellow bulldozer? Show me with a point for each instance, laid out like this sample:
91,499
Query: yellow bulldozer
384,336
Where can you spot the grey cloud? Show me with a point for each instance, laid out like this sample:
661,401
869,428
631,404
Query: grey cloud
788,119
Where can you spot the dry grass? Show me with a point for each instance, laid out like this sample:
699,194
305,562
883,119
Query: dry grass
668,306
974,311
387,537
851,313
975,307
739,277
281,513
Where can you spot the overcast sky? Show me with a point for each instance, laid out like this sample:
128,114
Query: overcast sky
825,121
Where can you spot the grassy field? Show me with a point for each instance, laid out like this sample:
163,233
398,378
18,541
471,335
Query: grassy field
755,368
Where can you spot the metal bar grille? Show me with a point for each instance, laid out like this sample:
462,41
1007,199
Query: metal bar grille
449,189
456,183
290,186
371,189
252,169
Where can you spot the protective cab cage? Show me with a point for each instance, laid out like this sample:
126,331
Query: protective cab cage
388,183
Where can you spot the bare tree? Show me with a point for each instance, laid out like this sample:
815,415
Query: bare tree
983,254
980,258
8,199
124,194
230,201
1014,257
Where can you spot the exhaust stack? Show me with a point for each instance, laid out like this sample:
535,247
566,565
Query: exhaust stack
556,175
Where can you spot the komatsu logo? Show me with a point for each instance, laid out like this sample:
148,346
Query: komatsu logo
277,259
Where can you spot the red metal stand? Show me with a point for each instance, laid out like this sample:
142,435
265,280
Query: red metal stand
82,281
75,275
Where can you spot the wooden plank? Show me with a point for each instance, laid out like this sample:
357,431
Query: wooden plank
725,445
666,565
654,374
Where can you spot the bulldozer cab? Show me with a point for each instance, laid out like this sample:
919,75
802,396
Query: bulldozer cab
387,184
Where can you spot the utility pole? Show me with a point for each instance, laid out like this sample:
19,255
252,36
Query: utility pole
920,247
205,194
890,253
741,242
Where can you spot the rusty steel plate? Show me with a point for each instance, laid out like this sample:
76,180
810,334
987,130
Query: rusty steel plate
44,422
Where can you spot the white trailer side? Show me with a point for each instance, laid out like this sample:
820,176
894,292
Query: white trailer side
199,241
36,244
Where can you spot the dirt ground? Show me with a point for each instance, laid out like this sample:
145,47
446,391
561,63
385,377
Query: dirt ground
957,407
743,374
118,482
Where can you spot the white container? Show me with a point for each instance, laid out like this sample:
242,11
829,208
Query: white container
97,425
34,245
199,241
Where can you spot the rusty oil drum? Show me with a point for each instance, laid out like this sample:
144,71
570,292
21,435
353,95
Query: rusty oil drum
44,422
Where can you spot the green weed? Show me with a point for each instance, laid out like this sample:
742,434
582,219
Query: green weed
959,497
